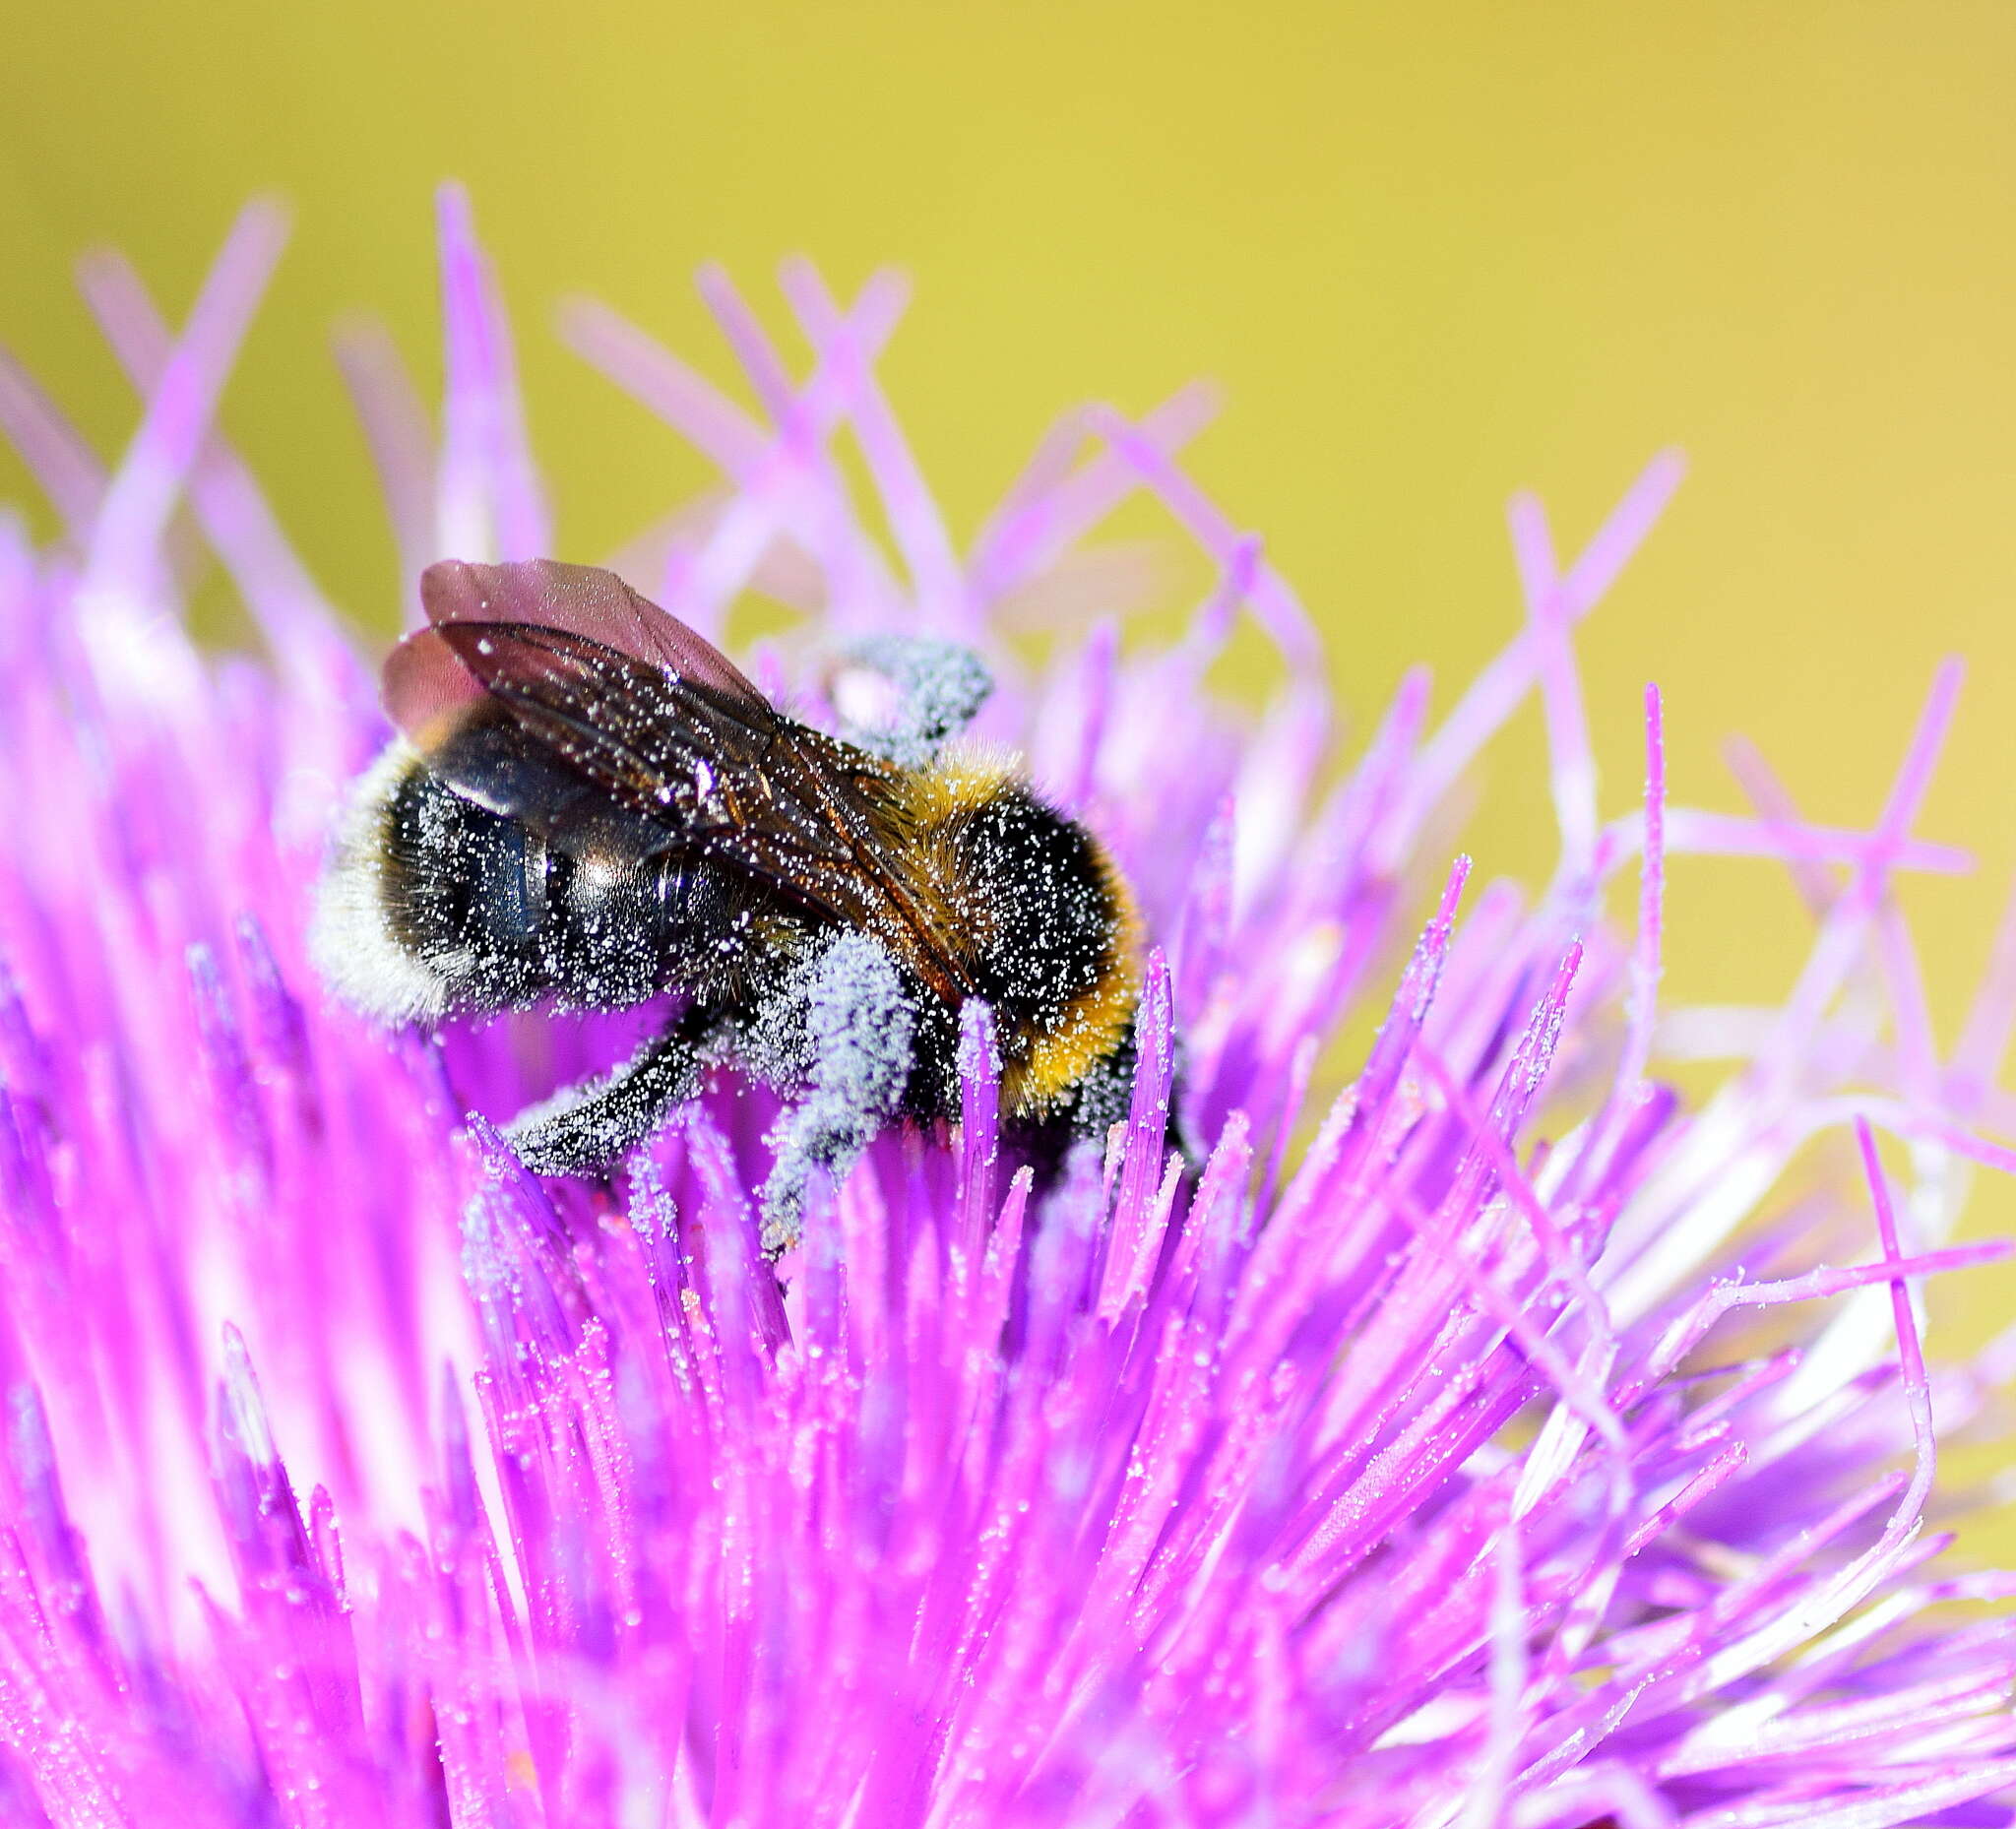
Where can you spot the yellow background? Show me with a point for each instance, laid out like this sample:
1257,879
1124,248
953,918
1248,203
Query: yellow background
1434,253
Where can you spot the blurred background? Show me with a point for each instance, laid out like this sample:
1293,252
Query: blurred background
1432,253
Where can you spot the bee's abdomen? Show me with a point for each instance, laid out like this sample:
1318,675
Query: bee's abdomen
464,894
505,912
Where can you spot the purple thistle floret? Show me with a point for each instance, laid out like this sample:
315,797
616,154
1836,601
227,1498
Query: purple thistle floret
1496,1448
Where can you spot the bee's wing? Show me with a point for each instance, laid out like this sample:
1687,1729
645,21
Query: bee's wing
585,601
640,707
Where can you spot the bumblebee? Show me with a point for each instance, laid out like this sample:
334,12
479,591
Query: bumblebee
588,806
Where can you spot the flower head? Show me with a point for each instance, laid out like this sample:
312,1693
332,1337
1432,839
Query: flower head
1439,1469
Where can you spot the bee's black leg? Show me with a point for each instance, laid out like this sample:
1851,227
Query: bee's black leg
585,1127
939,684
860,1026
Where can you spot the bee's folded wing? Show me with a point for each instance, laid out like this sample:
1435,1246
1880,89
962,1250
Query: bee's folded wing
636,704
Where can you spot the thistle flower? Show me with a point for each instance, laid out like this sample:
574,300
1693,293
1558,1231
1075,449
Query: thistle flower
1444,1469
